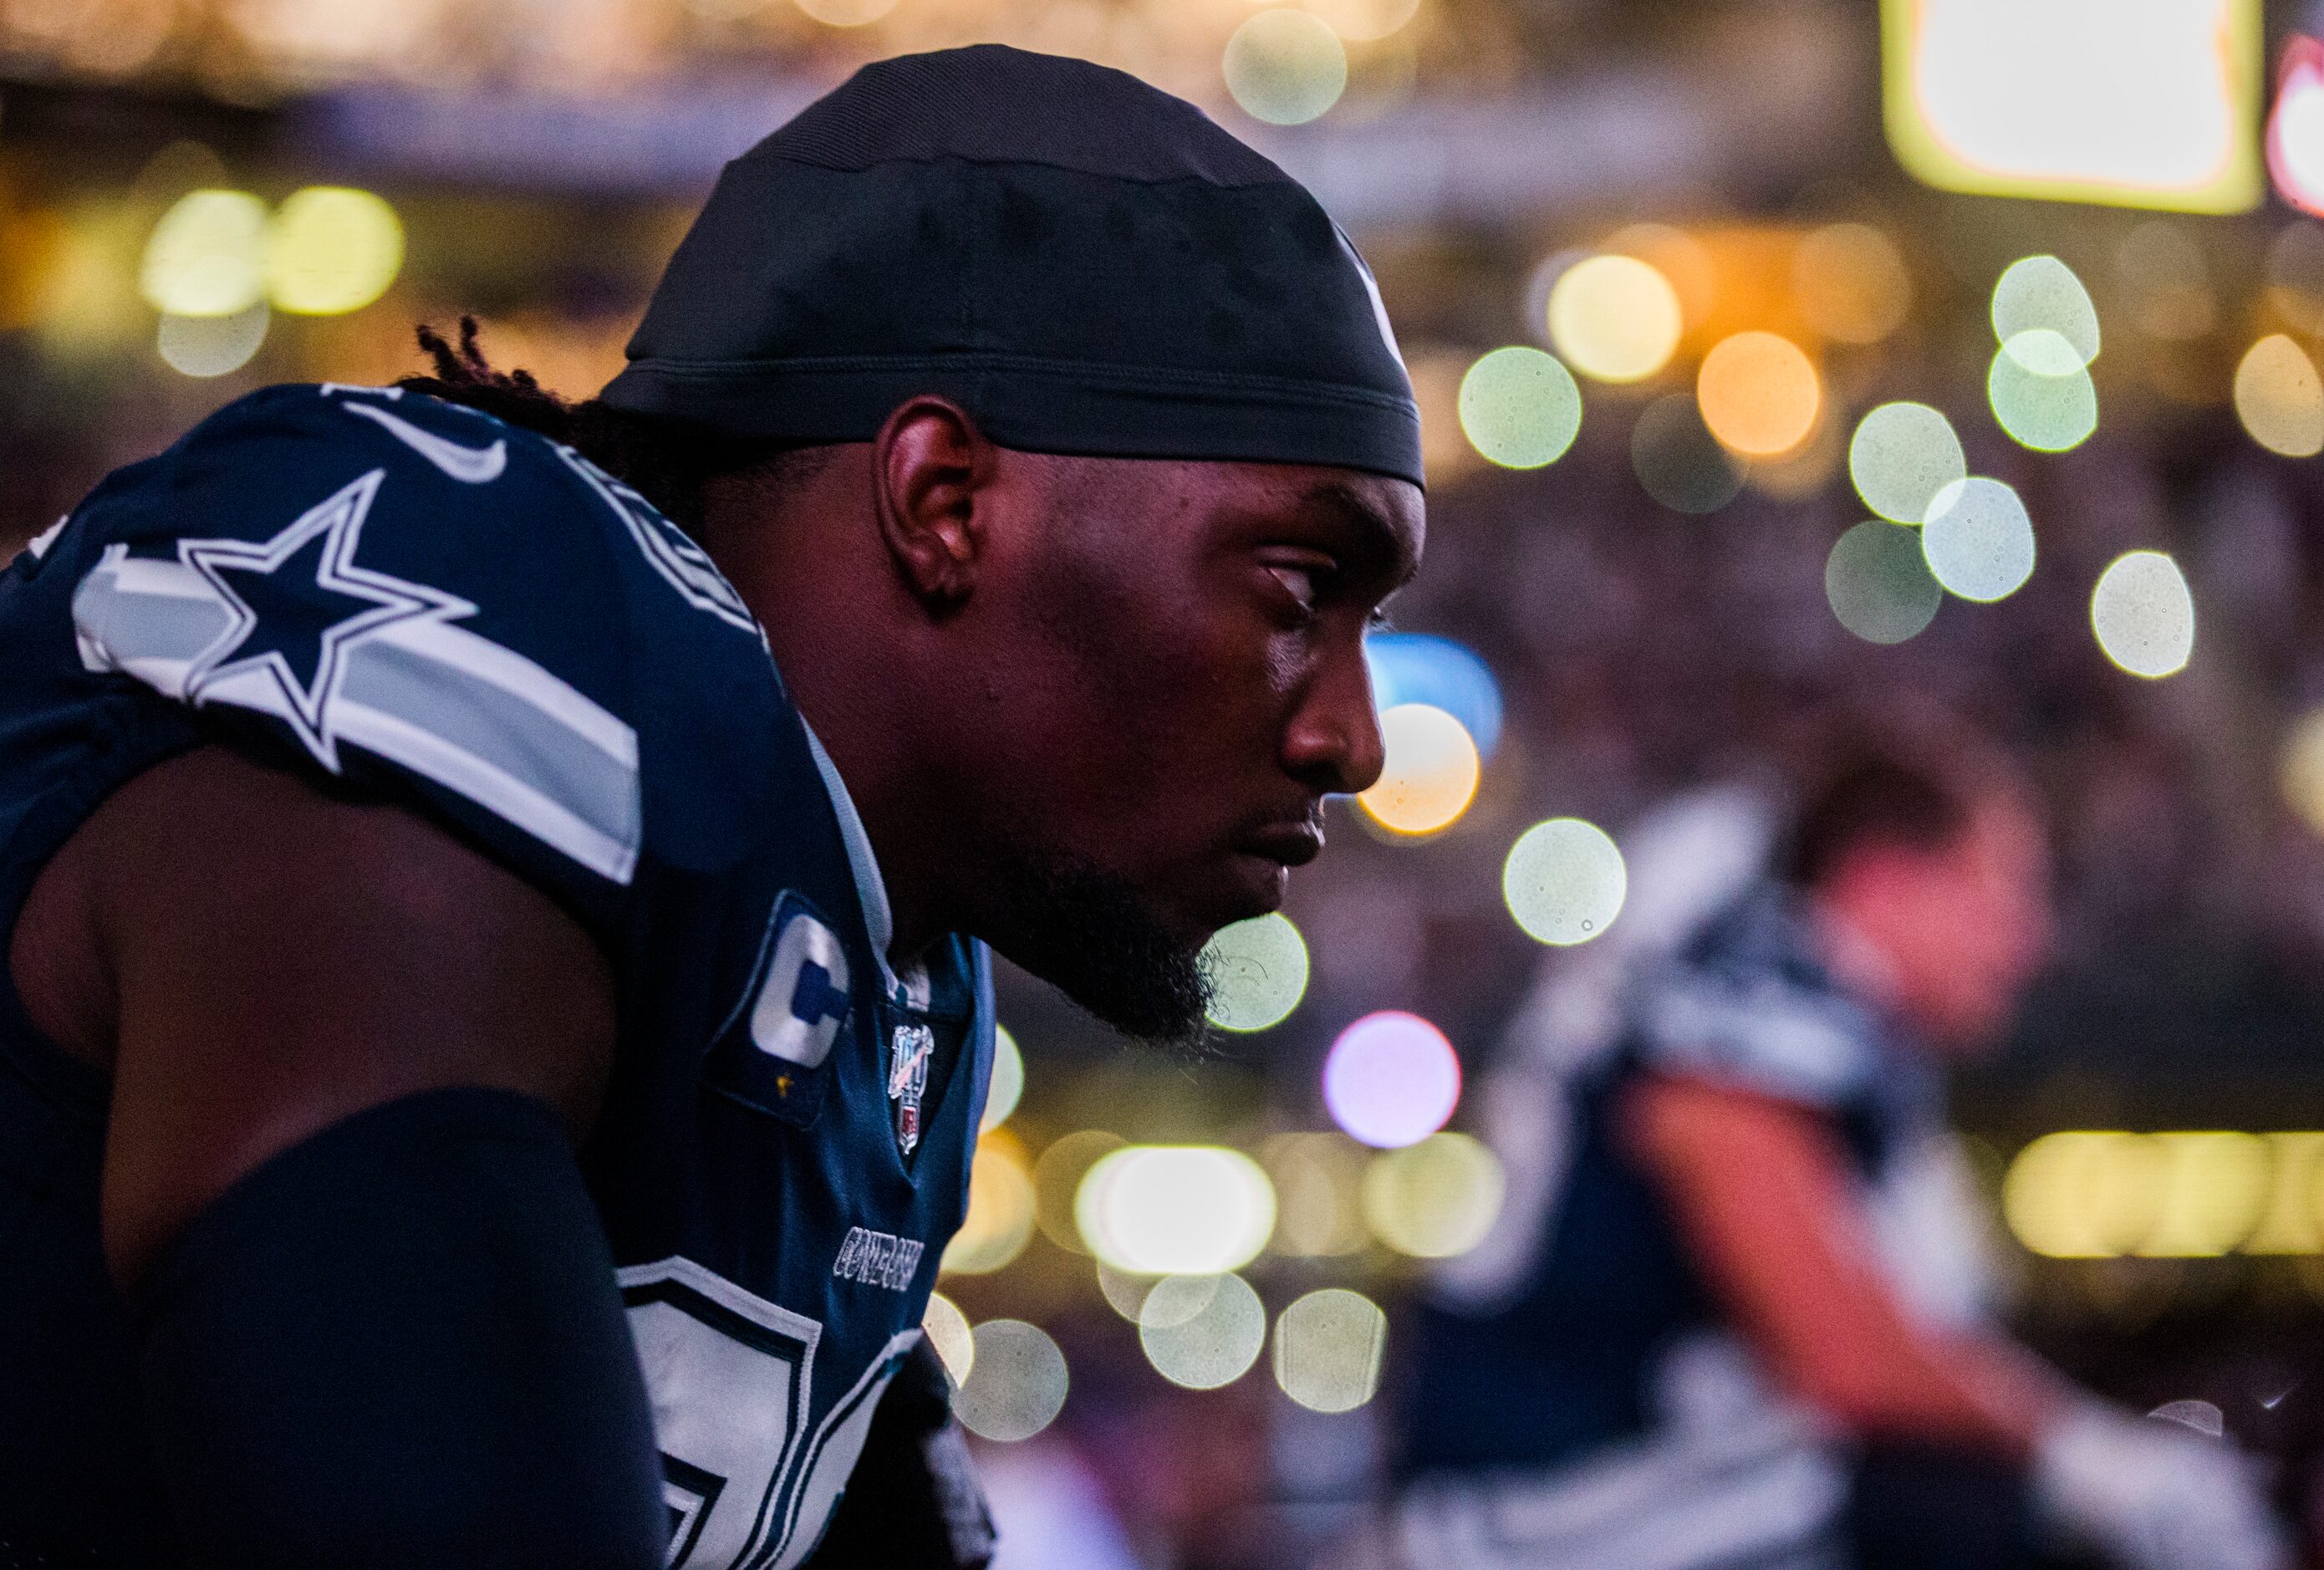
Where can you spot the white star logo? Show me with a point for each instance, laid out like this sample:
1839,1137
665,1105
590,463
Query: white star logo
279,625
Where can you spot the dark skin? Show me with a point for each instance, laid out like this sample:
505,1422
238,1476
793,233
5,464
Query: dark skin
1150,668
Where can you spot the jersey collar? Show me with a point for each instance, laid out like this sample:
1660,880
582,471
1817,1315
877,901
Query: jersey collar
910,990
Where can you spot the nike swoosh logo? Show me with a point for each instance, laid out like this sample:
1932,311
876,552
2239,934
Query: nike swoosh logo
475,465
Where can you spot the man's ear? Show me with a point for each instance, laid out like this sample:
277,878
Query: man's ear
929,463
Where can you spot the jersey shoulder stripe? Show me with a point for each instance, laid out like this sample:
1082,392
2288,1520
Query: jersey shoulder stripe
398,613
1749,1004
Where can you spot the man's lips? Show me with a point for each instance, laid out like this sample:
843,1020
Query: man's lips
1294,843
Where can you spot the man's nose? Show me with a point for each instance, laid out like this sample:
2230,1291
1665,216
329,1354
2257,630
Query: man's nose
1333,744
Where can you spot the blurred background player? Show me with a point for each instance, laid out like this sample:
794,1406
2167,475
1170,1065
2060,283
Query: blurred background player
1736,1313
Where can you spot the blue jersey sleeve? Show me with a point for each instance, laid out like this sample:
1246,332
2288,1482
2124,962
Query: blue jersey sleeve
399,593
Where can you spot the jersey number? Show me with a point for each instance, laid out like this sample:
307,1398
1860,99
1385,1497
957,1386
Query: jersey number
728,1375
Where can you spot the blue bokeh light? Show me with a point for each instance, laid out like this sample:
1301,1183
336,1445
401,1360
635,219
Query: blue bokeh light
1422,667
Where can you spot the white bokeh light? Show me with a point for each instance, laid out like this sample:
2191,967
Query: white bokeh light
2041,294
1016,1384
1978,543
2143,615
1565,881
1328,1346
1175,1210
1008,1083
1201,1332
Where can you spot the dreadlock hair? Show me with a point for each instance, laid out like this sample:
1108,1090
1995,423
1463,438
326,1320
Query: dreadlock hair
668,462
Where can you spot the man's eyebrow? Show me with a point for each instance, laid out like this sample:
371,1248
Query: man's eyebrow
1365,517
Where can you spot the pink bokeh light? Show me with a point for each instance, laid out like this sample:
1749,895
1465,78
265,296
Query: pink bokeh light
1392,1079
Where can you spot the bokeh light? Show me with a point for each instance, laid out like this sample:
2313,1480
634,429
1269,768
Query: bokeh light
1328,1347
2214,1184
1683,260
1008,1083
1615,318
2291,1218
1258,971
948,1331
1565,881
2295,276
206,256
2299,770
2194,1195
1058,1180
1392,1079
2294,139
1423,668
2039,395
212,345
846,13
1758,393
1435,1200
2044,353
1318,1178
1364,21
2143,615
1175,1210
2064,1195
1201,1332
1286,66
1430,774
1520,408
999,1220
1802,473
1852,282
331,250
1978,540
1901,456
1878,584
1678,460
1125,1291
2041,294
2169,281
2279,399
1016,1383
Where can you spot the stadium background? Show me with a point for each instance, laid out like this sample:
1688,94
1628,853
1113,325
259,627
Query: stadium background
1653,264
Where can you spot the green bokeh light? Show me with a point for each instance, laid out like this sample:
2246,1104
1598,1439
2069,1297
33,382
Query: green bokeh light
2048,413
1878,584
1285,67
1520,408
1901,457
1259,972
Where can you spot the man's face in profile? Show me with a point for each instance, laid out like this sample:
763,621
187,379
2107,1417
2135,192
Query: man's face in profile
1972,924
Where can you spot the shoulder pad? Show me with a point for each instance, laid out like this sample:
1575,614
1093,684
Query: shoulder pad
397,580
1748,1005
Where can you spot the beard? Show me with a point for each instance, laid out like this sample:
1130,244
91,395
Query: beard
1091,935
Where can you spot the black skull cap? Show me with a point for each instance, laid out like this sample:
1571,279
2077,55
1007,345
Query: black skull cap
1085,262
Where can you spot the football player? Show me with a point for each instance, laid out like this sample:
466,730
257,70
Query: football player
497,1009
1737,1316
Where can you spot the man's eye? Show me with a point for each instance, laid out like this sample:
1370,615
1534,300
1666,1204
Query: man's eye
1299,582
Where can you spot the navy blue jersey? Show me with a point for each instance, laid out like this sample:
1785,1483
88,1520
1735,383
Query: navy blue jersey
1575,1353
411,602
